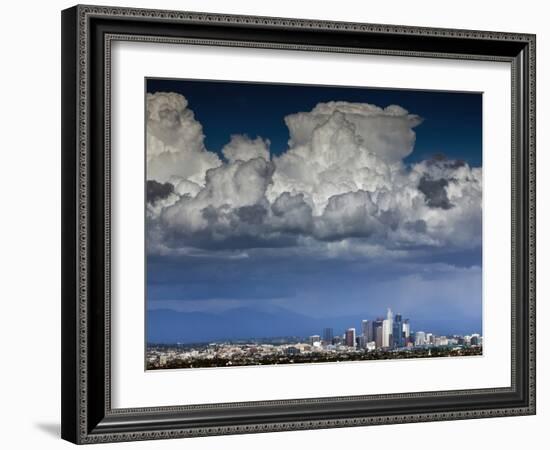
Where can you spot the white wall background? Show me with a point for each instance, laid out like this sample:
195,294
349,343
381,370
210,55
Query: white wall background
30,225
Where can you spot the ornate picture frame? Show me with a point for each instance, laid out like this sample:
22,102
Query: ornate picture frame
88,33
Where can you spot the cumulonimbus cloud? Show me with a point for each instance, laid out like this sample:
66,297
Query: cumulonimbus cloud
175,141
342,178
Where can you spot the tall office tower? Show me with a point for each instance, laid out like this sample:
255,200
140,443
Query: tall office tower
389,316
328,335
420,338
350,337
397,331
386,333
370,331
406,329
378,331
389,329
367,328
364,324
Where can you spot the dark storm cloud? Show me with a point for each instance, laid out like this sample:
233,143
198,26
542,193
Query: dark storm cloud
435,192
253,214
418,226
158,191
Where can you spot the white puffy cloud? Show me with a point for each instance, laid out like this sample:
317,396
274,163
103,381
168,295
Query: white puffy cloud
460,223
175,141
185,187
228,189
352,214
242,148
386,131
332,160
340,186
290,213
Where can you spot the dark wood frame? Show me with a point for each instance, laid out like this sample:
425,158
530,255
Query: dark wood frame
87,32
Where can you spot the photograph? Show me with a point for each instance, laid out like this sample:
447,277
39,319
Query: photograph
293,223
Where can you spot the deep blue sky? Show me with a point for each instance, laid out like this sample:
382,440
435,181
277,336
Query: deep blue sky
452,121
270,292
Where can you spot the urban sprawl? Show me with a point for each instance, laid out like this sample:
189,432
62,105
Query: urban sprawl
383,338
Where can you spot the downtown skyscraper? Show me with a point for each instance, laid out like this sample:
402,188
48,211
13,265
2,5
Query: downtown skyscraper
397,332
387,330
350,337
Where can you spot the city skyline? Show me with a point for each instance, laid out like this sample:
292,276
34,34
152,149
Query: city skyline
392,330
389,337
183,326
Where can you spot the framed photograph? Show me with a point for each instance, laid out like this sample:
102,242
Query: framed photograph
279,224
